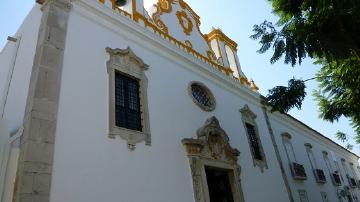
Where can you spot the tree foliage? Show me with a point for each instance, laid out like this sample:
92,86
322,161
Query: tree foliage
341,136
284,98
327,31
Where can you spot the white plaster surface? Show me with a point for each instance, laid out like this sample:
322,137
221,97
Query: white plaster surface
90,167
84,154
17,96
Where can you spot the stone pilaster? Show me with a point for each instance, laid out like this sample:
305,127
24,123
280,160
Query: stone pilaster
272,136
37,143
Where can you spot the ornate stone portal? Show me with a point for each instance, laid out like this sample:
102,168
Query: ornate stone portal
211,148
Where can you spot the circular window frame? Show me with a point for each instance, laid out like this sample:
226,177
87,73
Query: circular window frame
208,91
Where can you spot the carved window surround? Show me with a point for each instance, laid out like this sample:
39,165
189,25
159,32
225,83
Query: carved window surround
250,117
288,147
211,148
126,62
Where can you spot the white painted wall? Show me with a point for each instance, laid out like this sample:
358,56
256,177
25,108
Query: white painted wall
6,59
19,85
300,136
175,29
4,154
90,167
99,168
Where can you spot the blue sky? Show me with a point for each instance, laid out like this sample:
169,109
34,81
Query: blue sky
236,19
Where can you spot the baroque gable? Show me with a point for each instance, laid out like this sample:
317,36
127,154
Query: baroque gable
176,18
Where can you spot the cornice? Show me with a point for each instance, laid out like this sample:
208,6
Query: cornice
307,131
218,34
153,42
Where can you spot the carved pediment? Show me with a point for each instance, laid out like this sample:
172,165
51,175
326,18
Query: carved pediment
247,113
212,142
126,57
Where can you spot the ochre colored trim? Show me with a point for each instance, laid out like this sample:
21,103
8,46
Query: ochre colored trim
159,27
182,16
218,34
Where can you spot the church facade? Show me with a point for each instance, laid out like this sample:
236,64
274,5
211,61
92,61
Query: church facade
103,100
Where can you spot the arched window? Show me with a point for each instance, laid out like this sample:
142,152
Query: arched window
318,172
335,175
289,150
232,61
297,169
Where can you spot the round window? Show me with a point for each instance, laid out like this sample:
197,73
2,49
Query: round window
202,96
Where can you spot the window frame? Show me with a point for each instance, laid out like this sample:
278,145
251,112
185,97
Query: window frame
126,81
303,196
207,91
127,63
211,148
249,117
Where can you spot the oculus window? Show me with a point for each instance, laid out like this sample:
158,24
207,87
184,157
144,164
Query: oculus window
202,96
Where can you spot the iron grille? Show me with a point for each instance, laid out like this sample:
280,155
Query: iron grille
127,102
298,171
254,142
201,95
320,176
336,179
352,182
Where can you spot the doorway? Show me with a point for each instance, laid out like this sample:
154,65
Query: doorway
219,185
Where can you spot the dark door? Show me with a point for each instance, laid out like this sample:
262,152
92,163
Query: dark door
219,185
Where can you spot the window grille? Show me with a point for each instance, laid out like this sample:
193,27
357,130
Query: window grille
127,102
254,142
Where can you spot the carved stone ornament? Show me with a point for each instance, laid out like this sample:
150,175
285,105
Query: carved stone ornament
248,117
247,113
211,148
126,62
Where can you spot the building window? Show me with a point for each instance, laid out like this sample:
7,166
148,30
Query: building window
324,196
128,109
214,165
232,61
303,196
297,170
318,172
202,96
256,149
127,101
254,142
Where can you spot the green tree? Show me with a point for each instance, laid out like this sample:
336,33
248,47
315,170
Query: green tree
328,31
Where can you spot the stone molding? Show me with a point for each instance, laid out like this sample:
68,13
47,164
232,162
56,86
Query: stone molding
126,62
248,116
208,91
33,178
278,157
211,148
286,139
